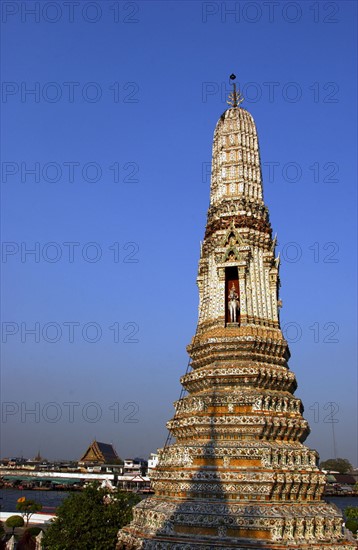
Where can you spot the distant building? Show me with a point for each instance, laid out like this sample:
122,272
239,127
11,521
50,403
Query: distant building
354,473
38,458
340,484
135,466
100,453
152,462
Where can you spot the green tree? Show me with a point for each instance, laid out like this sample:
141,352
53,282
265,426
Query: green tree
352,525
341,465
90,519
28,507
34,531
351,512
14,521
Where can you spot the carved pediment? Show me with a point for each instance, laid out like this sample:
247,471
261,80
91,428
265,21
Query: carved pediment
231,243
232,237
232,255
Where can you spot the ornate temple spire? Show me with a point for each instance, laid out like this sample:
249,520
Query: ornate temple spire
236,170
238,475
237,248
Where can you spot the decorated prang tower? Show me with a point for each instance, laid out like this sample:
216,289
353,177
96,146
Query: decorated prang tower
238,475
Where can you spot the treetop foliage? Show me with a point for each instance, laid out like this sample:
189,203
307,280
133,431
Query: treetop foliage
90,519
341,465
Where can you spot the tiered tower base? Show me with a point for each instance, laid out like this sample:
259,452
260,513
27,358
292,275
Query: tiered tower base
163,525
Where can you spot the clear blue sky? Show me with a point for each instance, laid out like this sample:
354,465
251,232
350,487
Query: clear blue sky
119,129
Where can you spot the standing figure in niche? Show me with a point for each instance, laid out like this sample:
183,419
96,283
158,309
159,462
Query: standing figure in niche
233,303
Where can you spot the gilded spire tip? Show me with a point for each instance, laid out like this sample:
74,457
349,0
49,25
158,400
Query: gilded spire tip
235,98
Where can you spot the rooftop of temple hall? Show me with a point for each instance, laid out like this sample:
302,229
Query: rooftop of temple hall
100,453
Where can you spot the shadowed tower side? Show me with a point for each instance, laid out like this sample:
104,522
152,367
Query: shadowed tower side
238,475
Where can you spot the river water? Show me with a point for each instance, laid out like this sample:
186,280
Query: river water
50,500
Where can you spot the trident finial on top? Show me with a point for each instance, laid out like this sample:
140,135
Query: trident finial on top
235,98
